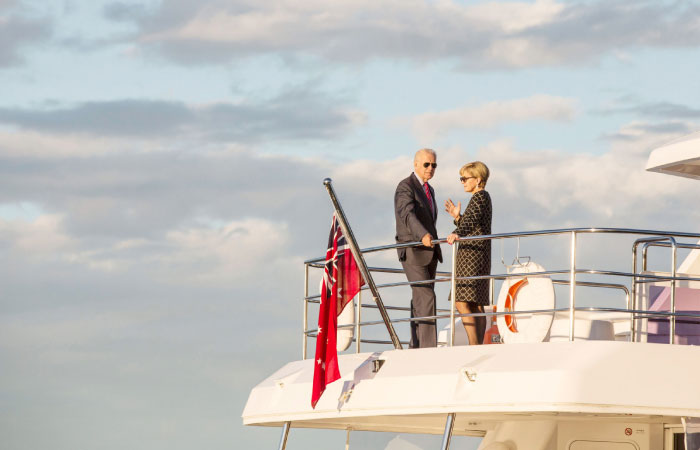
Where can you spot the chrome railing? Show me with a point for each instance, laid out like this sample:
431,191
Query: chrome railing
638,313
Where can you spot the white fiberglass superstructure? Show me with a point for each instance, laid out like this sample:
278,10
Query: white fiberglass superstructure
571,376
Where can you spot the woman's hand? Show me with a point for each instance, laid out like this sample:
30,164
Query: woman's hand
452,209
452,238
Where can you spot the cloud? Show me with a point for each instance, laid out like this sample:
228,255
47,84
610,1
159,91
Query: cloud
123,11
18,30
610,189
131,204
654,121
47,146
221,254
132,195
633,130
277,118
482,36
657,110
232,252
41,237
428,126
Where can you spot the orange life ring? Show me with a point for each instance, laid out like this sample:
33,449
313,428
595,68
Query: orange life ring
510,304
522,293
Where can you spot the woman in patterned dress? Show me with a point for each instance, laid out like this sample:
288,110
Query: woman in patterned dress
473,257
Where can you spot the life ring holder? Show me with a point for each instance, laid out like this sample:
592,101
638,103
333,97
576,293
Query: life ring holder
523,294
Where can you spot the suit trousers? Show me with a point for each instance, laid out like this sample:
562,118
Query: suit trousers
423,332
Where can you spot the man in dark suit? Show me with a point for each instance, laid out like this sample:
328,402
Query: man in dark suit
416,213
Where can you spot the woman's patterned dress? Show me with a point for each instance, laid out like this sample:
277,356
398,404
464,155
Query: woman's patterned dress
474,257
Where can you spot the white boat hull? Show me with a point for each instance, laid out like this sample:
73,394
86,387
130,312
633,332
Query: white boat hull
486,385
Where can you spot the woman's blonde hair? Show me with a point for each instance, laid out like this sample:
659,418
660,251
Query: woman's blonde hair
476,169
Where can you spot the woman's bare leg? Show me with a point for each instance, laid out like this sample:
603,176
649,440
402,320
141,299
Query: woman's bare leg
480,321
468,322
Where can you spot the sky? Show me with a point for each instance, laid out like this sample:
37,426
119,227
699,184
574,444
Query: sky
161,167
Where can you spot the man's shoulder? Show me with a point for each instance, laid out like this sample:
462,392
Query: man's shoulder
408,181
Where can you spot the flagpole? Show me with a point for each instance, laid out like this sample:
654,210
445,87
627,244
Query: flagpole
347,232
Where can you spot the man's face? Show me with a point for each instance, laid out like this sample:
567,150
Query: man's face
423,159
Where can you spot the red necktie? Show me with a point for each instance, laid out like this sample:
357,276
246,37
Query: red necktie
430,199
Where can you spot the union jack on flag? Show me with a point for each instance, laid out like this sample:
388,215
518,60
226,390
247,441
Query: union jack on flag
341,282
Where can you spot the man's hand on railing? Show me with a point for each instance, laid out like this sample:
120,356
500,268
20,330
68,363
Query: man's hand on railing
452,238
427,240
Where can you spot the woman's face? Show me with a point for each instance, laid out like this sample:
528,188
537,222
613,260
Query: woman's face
470,182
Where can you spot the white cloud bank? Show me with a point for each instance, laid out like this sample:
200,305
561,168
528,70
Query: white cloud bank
214,253
514,34
286,24
430,125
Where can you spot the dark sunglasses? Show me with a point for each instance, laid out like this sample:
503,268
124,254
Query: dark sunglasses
430,164
465,179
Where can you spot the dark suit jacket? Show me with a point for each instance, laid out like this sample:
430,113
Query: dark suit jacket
413,220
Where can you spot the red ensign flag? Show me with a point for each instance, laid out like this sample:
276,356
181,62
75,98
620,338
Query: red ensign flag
341,282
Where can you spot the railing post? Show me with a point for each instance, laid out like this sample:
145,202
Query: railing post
674,247
358,321
453,293
633,324
645,251
672,327
645,259
449,426
285,435
361,264
572,290
306,311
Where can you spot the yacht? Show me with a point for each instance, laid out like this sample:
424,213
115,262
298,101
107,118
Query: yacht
581,357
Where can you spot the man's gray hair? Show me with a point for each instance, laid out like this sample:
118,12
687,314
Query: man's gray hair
429,151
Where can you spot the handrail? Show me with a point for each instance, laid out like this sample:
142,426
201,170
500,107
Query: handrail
527,234
516,275
651,277
646,246
657,239
513,275
529,312
622,287
674,249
